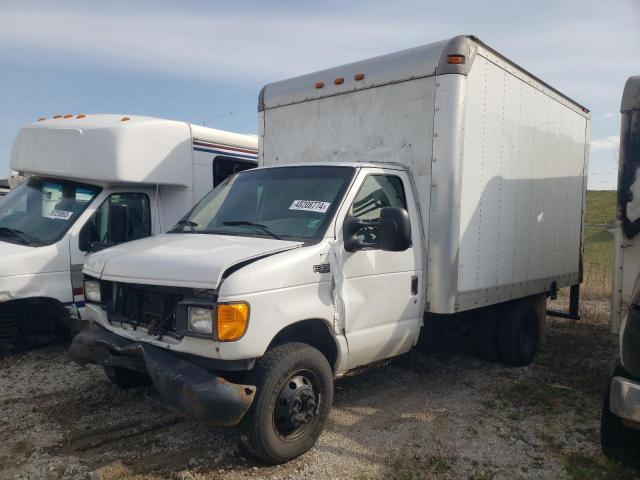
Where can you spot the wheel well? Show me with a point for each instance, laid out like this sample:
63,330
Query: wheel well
313,332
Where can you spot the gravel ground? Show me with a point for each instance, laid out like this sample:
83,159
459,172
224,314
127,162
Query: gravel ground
440,413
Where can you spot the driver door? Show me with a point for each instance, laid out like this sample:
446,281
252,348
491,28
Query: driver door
381,289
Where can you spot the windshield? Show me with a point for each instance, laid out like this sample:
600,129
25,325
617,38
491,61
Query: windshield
40,210
284,203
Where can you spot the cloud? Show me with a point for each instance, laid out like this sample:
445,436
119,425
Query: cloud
608,115
609,143
259,43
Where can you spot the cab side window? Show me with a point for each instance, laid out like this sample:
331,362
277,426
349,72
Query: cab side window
377,192
122,217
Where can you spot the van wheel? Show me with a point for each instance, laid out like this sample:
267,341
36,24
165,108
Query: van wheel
618,442
294,393
125,378
519,332
485,334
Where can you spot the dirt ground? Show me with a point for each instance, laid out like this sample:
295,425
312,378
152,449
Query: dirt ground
441,413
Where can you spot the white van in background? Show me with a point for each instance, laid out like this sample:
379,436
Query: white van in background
95,181
4,187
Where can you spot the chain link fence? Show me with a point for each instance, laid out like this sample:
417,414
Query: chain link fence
599,232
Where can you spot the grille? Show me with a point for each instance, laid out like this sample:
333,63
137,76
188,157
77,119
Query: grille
151,306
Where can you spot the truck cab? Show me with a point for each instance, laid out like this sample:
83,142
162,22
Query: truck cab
95,181
620,428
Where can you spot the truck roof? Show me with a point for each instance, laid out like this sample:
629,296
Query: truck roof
116,149
631,95
424,61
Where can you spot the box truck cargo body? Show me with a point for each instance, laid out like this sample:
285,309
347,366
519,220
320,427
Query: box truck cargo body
95,181
499,160
443,179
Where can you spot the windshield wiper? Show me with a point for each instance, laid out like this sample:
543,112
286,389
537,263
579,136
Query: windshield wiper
182,223
18,234
247,223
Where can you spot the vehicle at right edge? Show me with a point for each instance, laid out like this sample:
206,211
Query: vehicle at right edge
620,425
441,184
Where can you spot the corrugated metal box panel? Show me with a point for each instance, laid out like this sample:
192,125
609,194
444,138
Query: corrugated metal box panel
522,186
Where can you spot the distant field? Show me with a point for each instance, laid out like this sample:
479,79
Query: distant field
601,206
598,247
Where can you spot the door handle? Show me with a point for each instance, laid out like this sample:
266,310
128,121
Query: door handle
414,285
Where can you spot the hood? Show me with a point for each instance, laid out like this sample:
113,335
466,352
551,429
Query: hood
180,259
25,260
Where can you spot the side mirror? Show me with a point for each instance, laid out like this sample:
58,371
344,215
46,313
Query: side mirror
350,233
84,239
394,232
118,226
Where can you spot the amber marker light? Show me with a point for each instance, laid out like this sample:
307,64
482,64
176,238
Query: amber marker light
125,119
41,119
57,116
358,76
338,81
68,115
232,320
82,115
319,84
455,59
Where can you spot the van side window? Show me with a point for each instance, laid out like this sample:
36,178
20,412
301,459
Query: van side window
224,167
377,192
122,217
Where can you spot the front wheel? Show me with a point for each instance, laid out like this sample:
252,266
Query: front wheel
294,395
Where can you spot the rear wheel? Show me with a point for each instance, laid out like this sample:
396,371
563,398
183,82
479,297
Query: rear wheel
485,334
293,398
519,332
125,378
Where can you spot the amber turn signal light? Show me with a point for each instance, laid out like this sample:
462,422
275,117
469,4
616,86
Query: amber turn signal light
232,320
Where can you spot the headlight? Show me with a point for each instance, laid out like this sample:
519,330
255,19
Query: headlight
201,320
233,319
92,290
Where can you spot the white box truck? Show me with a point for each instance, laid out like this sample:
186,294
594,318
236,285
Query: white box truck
442,183
620,424
95,181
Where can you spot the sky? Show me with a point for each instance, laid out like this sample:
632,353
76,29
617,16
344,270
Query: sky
205,61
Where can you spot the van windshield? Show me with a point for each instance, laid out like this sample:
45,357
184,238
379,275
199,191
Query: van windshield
39,211
293,203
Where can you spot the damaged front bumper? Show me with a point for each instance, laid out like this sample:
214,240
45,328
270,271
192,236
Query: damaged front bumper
185,387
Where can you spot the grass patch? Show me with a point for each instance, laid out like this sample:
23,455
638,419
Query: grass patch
580,466
601,206
415,465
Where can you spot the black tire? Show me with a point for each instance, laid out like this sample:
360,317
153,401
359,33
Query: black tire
286,374
485,334
618,442
519,332
125,378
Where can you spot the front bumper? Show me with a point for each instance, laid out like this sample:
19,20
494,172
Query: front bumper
185,387
624,398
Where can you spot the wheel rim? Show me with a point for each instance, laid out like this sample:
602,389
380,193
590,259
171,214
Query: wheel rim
297,405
